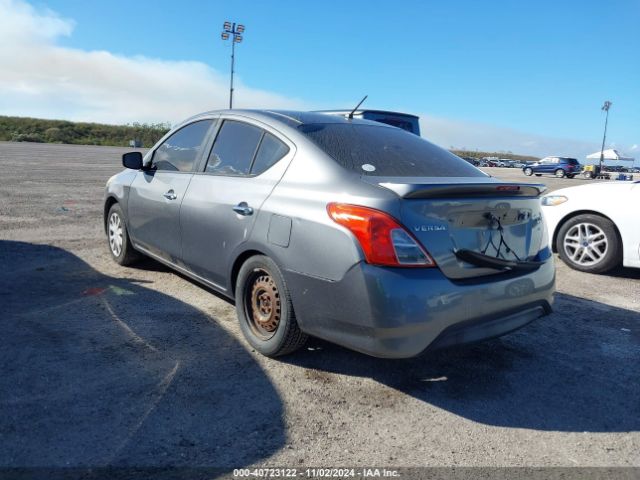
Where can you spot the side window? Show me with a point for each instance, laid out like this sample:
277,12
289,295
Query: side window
180,151
234,149
270,151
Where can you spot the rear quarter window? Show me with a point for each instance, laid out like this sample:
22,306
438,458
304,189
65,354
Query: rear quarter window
388,152
271,150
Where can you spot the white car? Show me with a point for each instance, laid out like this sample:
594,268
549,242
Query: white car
595,228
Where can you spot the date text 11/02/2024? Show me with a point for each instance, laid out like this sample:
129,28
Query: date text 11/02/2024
316,473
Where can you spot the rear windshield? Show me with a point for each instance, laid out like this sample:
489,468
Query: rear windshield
386,152
572,161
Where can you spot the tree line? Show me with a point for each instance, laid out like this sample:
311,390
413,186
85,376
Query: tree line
507,155
22,129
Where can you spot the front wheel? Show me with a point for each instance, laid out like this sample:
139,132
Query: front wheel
559,173
264,308
528,171
589,243
119,242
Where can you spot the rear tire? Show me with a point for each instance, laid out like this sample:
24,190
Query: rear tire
559,173
588,175
120,246
264,308
528,171
589,243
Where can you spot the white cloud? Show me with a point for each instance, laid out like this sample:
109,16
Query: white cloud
41,79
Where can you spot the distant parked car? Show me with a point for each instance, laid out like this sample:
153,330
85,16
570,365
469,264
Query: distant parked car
472,161
593,227
518,164
615,168
345,229
557,166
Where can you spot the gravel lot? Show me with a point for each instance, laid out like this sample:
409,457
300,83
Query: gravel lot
141,367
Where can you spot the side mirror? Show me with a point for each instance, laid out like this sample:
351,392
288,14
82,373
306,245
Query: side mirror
132,160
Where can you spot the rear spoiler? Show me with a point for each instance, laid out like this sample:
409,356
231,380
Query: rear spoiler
465,190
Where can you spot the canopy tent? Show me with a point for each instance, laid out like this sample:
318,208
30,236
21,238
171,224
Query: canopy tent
610,154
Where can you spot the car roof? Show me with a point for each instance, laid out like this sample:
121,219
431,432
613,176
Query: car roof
291,118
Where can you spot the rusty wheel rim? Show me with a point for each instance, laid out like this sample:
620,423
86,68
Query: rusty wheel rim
264,304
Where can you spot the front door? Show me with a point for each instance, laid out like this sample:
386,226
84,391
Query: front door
157,193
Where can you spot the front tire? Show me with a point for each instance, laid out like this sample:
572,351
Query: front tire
120,246
559,173
589,243
264,308
528,171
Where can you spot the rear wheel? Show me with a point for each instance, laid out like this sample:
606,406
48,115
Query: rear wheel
559,173
264,308
528,171
119,243
570,175
589,243
588,175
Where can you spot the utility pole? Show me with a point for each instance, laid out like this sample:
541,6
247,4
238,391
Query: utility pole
233,32
605,107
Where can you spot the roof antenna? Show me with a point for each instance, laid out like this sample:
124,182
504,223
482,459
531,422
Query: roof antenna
350,116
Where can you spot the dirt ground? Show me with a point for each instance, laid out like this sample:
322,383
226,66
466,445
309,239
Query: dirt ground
106,366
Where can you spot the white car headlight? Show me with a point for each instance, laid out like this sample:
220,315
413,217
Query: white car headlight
553,200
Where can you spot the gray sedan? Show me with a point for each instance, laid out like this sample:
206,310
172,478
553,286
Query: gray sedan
344,229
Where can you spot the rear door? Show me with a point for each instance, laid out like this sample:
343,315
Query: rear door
552,165
218,213
157,193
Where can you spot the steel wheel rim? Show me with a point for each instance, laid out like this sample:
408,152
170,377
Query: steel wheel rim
263,305
115,234
586,244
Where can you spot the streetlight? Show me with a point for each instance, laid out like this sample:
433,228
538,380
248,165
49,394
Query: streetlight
605,107
233,32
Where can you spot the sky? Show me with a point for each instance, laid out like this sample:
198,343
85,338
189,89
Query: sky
526,77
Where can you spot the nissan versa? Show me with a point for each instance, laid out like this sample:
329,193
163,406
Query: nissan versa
345,229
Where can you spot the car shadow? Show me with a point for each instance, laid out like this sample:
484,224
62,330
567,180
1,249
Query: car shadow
624,272
574,370
102,373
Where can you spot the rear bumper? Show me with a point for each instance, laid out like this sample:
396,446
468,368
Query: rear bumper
399,313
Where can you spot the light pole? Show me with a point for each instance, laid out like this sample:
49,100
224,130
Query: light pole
233,32
605,107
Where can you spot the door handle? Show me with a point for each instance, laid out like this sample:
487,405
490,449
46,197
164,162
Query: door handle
243,209
170,195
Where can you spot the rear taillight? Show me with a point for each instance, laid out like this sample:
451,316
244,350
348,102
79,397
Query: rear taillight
383,240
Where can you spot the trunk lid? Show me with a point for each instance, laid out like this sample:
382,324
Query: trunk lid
466,224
